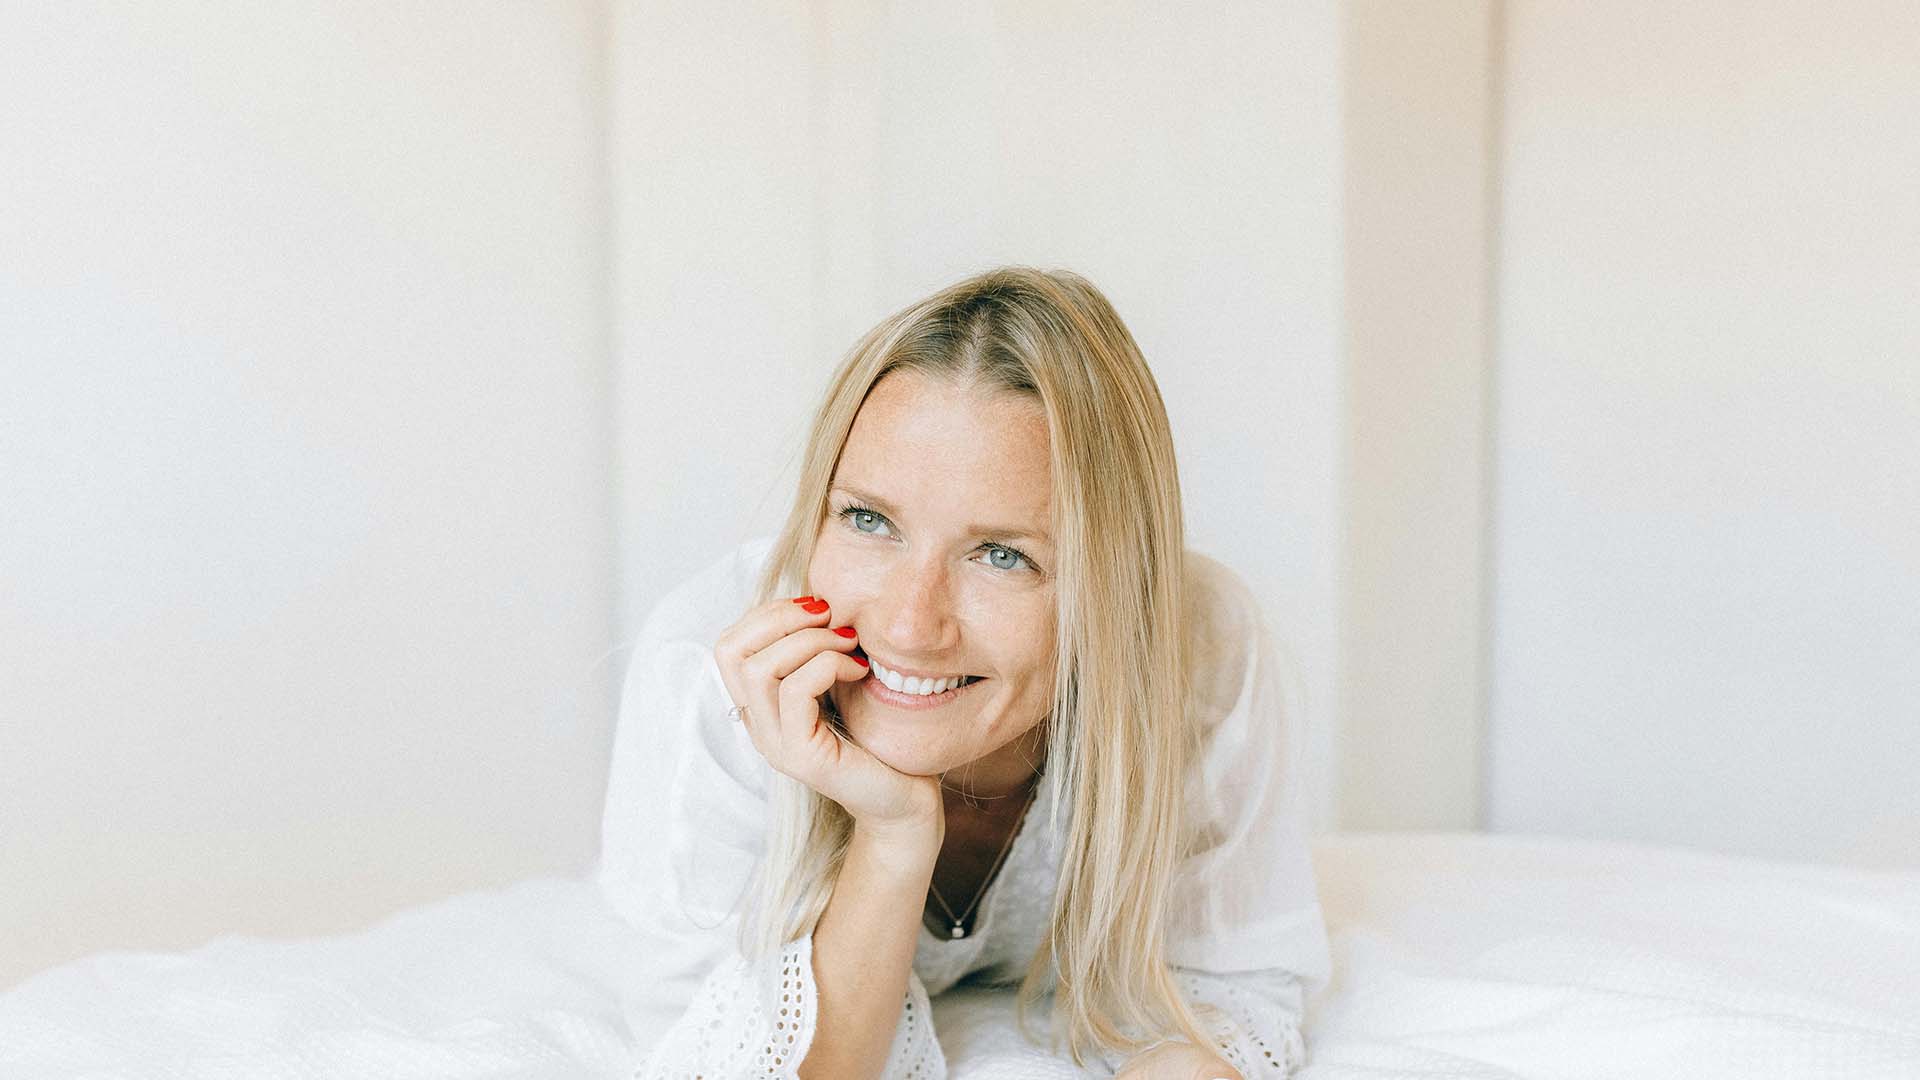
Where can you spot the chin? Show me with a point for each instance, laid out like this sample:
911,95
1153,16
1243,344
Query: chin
899,749
901,754
911,764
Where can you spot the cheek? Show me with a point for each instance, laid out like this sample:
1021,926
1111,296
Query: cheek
838,583
827,571
1026,651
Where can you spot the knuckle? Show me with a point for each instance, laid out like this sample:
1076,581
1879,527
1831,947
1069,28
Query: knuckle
825,660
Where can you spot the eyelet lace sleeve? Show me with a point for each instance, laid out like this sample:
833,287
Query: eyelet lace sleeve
682,831
1256,1022
757,1021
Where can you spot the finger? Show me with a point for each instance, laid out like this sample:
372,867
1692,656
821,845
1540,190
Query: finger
784,657
761,718
760,627
759,679
769,622
800,692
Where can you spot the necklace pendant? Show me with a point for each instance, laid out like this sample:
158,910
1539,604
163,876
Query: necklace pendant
959,931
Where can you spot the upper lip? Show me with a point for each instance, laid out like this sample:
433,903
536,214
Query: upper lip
910,673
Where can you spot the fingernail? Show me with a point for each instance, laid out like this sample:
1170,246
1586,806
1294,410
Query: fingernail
861,660
801,599
844,631
814,607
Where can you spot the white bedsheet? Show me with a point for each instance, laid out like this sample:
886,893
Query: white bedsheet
1471,957
1455,955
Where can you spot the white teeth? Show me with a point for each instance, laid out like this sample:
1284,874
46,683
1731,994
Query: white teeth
909,684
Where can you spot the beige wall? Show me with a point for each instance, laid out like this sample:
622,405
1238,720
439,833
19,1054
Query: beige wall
1547,368
845,164
1420,115
1707,623
305,550
1633,371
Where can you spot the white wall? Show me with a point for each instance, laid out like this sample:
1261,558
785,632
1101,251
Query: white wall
1419,110
305,549
844,159
1707,619
330,366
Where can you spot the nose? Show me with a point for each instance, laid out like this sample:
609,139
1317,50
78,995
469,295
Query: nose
916,608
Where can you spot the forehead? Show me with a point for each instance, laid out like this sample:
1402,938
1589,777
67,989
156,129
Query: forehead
907,411
925,442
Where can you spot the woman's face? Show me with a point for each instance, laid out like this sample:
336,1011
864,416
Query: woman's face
937,549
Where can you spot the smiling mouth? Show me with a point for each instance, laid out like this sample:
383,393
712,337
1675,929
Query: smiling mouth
965,681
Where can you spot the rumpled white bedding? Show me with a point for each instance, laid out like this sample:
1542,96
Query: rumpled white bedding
1455,955
1475,956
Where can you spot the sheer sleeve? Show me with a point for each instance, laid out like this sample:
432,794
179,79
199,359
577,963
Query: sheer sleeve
1255,1018
746,1020
1247,935
681,834
752,1020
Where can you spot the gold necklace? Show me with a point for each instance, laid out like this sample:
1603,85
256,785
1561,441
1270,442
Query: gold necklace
960,931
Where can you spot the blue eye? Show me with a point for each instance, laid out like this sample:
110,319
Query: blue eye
853,514
997,549
856,516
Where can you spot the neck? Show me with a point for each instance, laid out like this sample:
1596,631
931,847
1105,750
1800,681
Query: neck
1000,780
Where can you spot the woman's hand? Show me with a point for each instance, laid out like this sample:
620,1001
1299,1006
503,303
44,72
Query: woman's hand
777,661
1177,1061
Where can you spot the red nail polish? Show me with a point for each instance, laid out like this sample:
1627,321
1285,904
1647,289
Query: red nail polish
844,631
814,607
801,599
861,660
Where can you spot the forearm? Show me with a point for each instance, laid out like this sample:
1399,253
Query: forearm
1175,1058
863,948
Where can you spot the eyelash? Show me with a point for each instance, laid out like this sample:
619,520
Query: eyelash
845,514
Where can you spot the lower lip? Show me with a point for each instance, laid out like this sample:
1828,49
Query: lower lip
887,696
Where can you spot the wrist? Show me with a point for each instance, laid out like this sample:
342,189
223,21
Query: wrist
1176,1056
910,841
915,820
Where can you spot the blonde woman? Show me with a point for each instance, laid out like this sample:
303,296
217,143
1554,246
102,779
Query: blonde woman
975,713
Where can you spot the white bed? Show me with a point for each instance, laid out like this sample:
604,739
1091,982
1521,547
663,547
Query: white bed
1455,955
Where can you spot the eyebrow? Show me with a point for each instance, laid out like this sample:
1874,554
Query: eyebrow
1008,532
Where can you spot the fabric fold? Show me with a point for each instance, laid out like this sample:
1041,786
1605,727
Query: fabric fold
758,1020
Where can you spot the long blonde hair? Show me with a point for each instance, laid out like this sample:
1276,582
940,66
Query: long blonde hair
1121,731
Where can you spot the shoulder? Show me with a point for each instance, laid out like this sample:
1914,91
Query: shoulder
1226,629
683,782
1218,598
710,599
673,691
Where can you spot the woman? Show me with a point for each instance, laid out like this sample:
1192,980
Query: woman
981,717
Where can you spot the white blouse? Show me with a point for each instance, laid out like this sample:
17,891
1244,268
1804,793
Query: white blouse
684,821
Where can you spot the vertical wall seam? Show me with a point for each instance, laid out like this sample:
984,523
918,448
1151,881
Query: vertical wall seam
619,622
1493,191
1334,799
